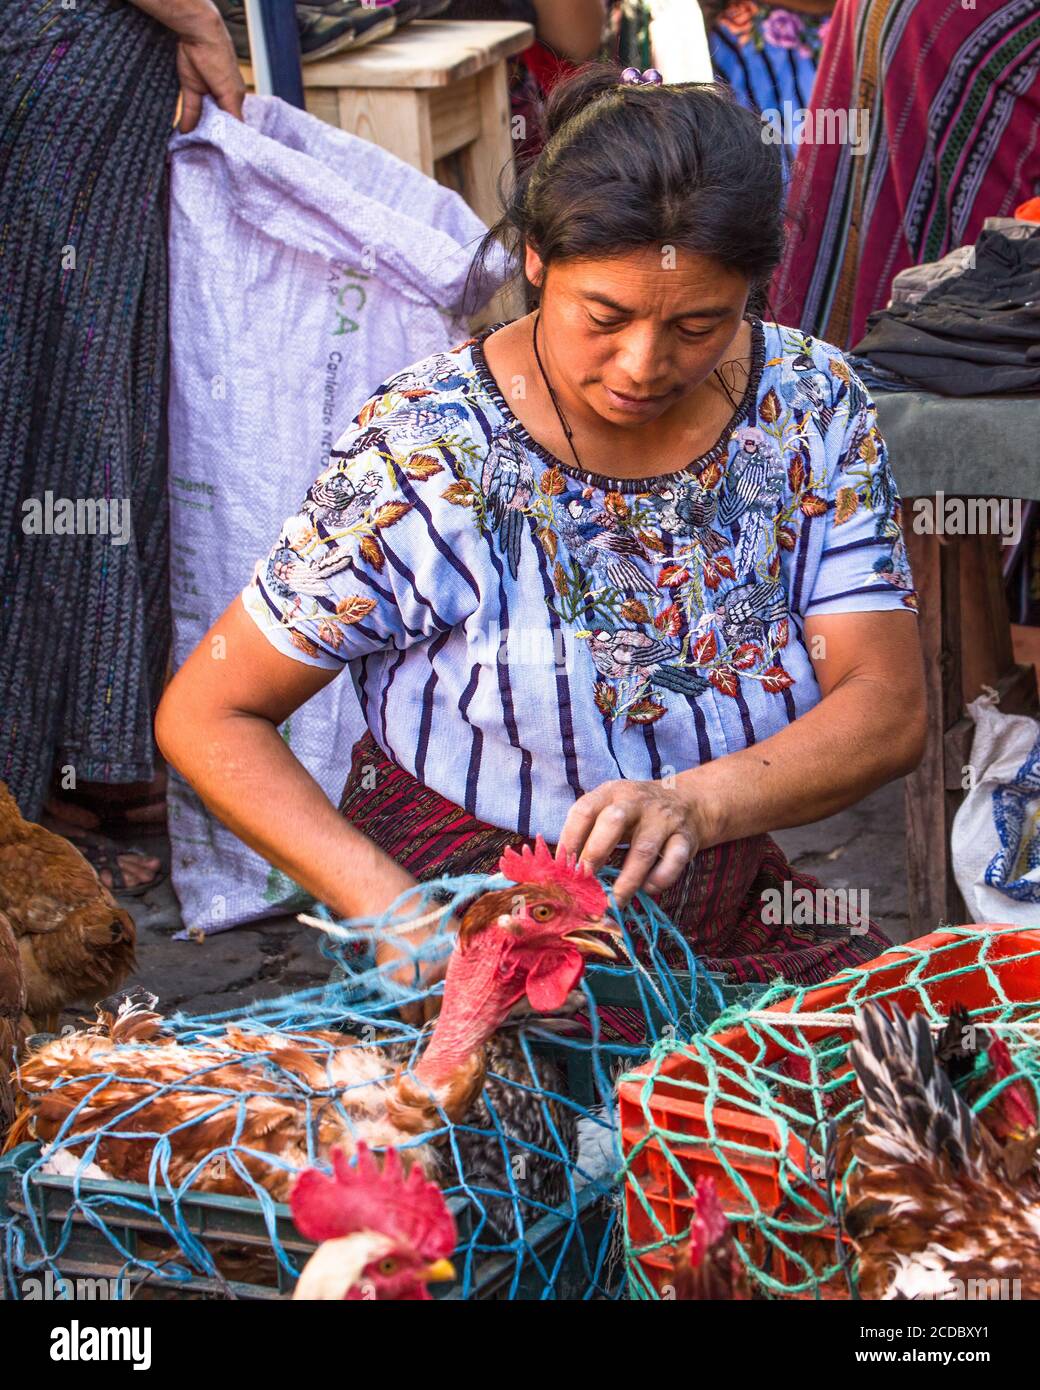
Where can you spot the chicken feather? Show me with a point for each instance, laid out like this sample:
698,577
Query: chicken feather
76,943
928,1207
13,1024
241,1090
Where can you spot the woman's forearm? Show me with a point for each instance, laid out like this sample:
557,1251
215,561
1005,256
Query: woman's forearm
247,776
856,739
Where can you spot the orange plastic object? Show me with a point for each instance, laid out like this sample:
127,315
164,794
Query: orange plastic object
901,977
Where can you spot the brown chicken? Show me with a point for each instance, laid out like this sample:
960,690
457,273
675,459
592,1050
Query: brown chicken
13,1023
978,1062
238,1104
76,943
929,1205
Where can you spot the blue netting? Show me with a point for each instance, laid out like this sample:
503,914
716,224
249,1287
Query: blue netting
530,1173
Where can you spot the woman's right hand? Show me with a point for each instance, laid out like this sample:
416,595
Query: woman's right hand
387,952
206,61
207,65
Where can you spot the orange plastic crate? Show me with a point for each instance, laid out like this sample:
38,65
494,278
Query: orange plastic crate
904,977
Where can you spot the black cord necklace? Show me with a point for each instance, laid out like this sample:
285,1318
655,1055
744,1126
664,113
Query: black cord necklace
568,433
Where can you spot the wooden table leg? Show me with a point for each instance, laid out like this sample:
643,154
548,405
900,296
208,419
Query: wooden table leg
930,807
966,637
398,121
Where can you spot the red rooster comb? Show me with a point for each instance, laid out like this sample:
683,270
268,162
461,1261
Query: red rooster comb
1017,1099
709,1222
366,1197
540,866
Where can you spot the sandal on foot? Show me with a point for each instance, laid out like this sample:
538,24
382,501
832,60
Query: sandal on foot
103,855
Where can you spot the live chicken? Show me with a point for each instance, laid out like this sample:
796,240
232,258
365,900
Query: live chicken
978,1062
383,1235
707,1264
76,943
13,1029
929,1205
239,1102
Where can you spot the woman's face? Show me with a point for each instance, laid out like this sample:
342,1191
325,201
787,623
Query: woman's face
629,336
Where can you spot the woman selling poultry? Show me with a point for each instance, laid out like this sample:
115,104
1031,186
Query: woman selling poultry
626,572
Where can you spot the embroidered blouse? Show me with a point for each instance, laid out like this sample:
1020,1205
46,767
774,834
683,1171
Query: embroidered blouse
519,633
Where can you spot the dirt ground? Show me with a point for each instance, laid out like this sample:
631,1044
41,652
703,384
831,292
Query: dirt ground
862,848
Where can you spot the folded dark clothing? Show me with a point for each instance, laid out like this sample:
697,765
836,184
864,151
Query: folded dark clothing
878,378
974,334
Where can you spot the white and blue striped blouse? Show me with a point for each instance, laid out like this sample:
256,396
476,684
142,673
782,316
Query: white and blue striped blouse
519,632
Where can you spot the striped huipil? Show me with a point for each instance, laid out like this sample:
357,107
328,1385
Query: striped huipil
520,633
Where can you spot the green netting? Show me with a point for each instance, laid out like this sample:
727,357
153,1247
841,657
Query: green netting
773,1090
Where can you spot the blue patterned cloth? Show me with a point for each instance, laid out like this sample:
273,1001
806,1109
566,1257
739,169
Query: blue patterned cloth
520,633
769,55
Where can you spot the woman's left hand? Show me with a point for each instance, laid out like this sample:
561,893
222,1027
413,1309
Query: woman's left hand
654,819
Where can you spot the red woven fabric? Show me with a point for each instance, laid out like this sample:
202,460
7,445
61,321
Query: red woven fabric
953,96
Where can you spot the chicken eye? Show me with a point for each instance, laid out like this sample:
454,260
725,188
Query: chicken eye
541,912
388,1266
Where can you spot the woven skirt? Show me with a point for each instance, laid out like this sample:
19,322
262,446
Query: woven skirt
87,99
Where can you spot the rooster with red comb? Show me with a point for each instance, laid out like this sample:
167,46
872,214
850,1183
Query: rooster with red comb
382,1233
256,1095
707,1265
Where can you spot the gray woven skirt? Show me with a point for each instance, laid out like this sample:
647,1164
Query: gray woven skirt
87,101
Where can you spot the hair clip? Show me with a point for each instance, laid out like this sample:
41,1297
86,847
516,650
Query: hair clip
632,77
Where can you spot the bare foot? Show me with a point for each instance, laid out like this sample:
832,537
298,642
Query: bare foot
135,870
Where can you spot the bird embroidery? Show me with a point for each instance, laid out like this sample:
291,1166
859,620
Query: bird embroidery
810,386
623,653
336,500
747,611
684,508
597,540
407,427
507,484
754,492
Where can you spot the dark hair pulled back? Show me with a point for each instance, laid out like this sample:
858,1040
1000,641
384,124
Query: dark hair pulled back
627,166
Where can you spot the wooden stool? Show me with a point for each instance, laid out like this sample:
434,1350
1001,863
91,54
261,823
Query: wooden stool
436,95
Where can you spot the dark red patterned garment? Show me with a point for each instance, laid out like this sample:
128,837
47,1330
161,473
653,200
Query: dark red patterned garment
717,904
950,92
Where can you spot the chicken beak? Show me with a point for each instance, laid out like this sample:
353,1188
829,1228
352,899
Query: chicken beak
590,945
440,1272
